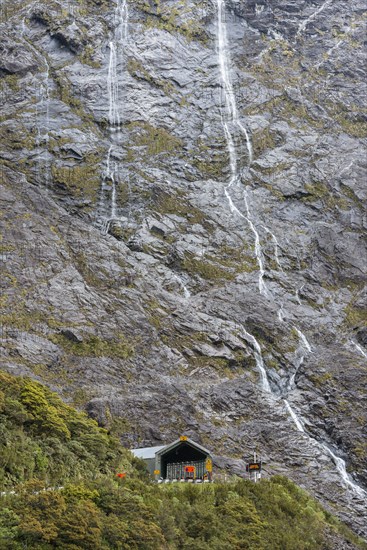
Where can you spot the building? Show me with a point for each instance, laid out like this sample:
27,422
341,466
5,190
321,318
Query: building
182,459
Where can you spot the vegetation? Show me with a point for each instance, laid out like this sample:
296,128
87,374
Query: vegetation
152,141
173,19
94,346
81,180
206,270
46,444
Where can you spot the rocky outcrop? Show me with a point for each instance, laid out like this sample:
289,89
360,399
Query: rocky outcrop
131,282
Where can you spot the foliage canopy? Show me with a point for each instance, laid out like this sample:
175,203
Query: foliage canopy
59,490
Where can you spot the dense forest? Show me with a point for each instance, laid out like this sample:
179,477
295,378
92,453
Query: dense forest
59,489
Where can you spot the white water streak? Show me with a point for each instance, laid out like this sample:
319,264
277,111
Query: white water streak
302,26
358,347
339,462
304,340
113,89
110,177
232,119
276,246
187,293
341,468
259,361
297,295
226,80
294,417
281,313
258,251
43,110
121,21
300,356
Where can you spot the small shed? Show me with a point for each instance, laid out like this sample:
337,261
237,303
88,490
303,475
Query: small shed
182,459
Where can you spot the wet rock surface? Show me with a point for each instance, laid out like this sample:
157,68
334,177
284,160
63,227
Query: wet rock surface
130,283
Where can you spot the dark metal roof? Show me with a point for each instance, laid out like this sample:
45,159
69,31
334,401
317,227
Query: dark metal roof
190,442
151,452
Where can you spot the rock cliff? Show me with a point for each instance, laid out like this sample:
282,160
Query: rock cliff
183,222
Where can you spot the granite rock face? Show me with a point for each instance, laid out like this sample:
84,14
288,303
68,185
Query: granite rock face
132,283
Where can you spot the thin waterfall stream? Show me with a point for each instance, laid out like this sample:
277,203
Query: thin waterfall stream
43,130
230,118
232,126
108,204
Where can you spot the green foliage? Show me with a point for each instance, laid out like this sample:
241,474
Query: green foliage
206,270
94,346
43,438
152,140
173,19
177,204
16,136
81,180
51,442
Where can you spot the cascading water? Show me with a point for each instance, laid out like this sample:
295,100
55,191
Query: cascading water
358,348
302,26
259,360
230,119
42,108
341,467
113,90
43,126
186,292
108,198
276,247
300,356
294,417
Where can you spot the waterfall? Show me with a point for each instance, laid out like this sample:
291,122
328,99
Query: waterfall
258,360
300,356
303,339
43,130
115,46
341,468
302,26
358,348
281,313
231,119
108,206
339,462
295,418
186,292
276,246
113,90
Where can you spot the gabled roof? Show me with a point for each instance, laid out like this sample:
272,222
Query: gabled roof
178,442
151,452
147,452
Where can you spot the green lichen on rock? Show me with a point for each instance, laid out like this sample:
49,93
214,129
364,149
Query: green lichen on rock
177,204
16,136
138,71
81,180
95,346
355,316
211,160
151,141
176,18
263,140
319,190
206,269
